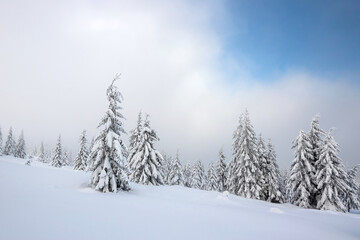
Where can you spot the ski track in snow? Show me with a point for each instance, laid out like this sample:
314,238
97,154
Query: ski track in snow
42,202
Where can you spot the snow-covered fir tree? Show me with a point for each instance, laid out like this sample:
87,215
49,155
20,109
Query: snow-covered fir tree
264,167
284,178
248,169
187,174
198,176
42,157
176,176
107,159
212,180
145,160
66,158
83,154
315,137
221,173
1,143
232,177
331,177
135,138
273,177
350,197
57,158
9,148
92,143
48,155
136,133
20,150
301,172
166,167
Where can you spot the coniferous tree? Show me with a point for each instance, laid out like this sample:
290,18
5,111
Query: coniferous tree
92,143
65,158
9,148
331,177
351,196
221,172
1,144
232,177
145,160
83,154
166,167
315,137
273,185
57,159
136,133
212,180
20,151
265,169
48,155
301,172
42,157
284,178
187,174
176,176
107,159
248,169
198,178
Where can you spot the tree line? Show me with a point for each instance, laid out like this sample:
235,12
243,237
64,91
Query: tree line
316,179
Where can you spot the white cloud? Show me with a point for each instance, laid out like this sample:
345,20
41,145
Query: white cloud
54,74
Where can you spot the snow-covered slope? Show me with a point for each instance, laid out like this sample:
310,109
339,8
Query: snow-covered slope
42,202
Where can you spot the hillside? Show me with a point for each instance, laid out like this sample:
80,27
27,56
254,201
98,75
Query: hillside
42,202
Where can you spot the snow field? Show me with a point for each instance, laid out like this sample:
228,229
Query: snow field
42,202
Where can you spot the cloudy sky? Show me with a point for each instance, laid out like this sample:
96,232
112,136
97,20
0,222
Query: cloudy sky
194,66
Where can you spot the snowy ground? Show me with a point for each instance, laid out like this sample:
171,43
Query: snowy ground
41,202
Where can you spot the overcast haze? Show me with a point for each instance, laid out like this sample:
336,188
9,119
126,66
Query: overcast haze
193,67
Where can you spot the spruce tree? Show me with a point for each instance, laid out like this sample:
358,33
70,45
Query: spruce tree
107,159
145,160
166,168
9,148
187,174
42,157
331,177
315,137
92,143
284,178
234,164
57,159
82,156
65,158
301,172
351,196
221,172
136,133
176,176
198,178
248,169
20,151
212,180
273,178
265,169
1,143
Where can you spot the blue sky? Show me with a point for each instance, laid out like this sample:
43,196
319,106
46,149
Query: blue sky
322,37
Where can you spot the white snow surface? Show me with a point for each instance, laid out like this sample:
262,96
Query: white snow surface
43,202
